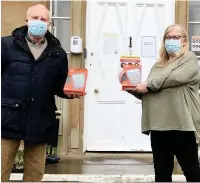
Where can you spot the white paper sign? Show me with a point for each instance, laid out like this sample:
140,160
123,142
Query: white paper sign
148,47
110,43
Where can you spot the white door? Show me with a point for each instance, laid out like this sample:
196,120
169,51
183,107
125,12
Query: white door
113,117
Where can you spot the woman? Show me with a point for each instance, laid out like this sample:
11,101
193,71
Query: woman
171,107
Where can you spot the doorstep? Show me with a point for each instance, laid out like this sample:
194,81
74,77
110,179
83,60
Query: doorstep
97,178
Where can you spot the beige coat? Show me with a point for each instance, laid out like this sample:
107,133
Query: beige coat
174,102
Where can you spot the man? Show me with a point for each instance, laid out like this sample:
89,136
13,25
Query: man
34,69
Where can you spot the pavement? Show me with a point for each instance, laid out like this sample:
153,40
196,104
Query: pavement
103,169
115,166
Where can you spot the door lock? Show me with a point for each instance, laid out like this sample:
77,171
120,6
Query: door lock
96,91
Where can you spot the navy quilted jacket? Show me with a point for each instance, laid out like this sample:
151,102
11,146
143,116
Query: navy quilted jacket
28,87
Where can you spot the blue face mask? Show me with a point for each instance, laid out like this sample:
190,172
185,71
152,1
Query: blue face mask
37,28
173,46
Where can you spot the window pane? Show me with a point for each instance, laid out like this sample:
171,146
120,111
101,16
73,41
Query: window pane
194,16
194,30
194,11
61,8
61,30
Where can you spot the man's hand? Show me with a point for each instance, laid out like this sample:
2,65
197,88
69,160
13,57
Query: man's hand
141,88
73,95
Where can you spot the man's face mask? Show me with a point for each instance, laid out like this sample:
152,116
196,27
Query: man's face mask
37,28
173,46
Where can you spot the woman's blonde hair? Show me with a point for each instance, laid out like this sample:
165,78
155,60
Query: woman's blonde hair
164,57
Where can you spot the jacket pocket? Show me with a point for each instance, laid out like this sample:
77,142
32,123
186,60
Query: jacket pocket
11,113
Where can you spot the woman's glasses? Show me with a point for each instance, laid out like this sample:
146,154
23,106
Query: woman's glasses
177,37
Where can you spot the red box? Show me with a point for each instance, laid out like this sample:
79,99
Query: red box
130,76
76,82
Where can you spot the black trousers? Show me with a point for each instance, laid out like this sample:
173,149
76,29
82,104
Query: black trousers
167,144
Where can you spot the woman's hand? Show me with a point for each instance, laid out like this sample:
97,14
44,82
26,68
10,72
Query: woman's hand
141,88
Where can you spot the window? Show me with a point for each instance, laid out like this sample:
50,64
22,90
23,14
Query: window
60,12
60,15
194,26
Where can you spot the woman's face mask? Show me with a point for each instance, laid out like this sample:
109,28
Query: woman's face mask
37,28
173,46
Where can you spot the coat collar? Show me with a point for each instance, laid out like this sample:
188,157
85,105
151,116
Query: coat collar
20,34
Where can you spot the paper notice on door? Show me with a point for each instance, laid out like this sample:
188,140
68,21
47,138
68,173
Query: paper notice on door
148,47
195,43
110,43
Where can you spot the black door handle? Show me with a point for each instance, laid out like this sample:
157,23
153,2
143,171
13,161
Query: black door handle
130,44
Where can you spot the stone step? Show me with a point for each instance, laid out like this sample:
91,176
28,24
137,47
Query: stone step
97,178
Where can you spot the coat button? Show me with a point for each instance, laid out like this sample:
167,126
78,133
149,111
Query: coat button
16,105
32,99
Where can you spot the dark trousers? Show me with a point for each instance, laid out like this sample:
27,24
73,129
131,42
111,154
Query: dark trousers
167,144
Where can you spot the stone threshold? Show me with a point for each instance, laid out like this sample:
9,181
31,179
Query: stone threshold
86,178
